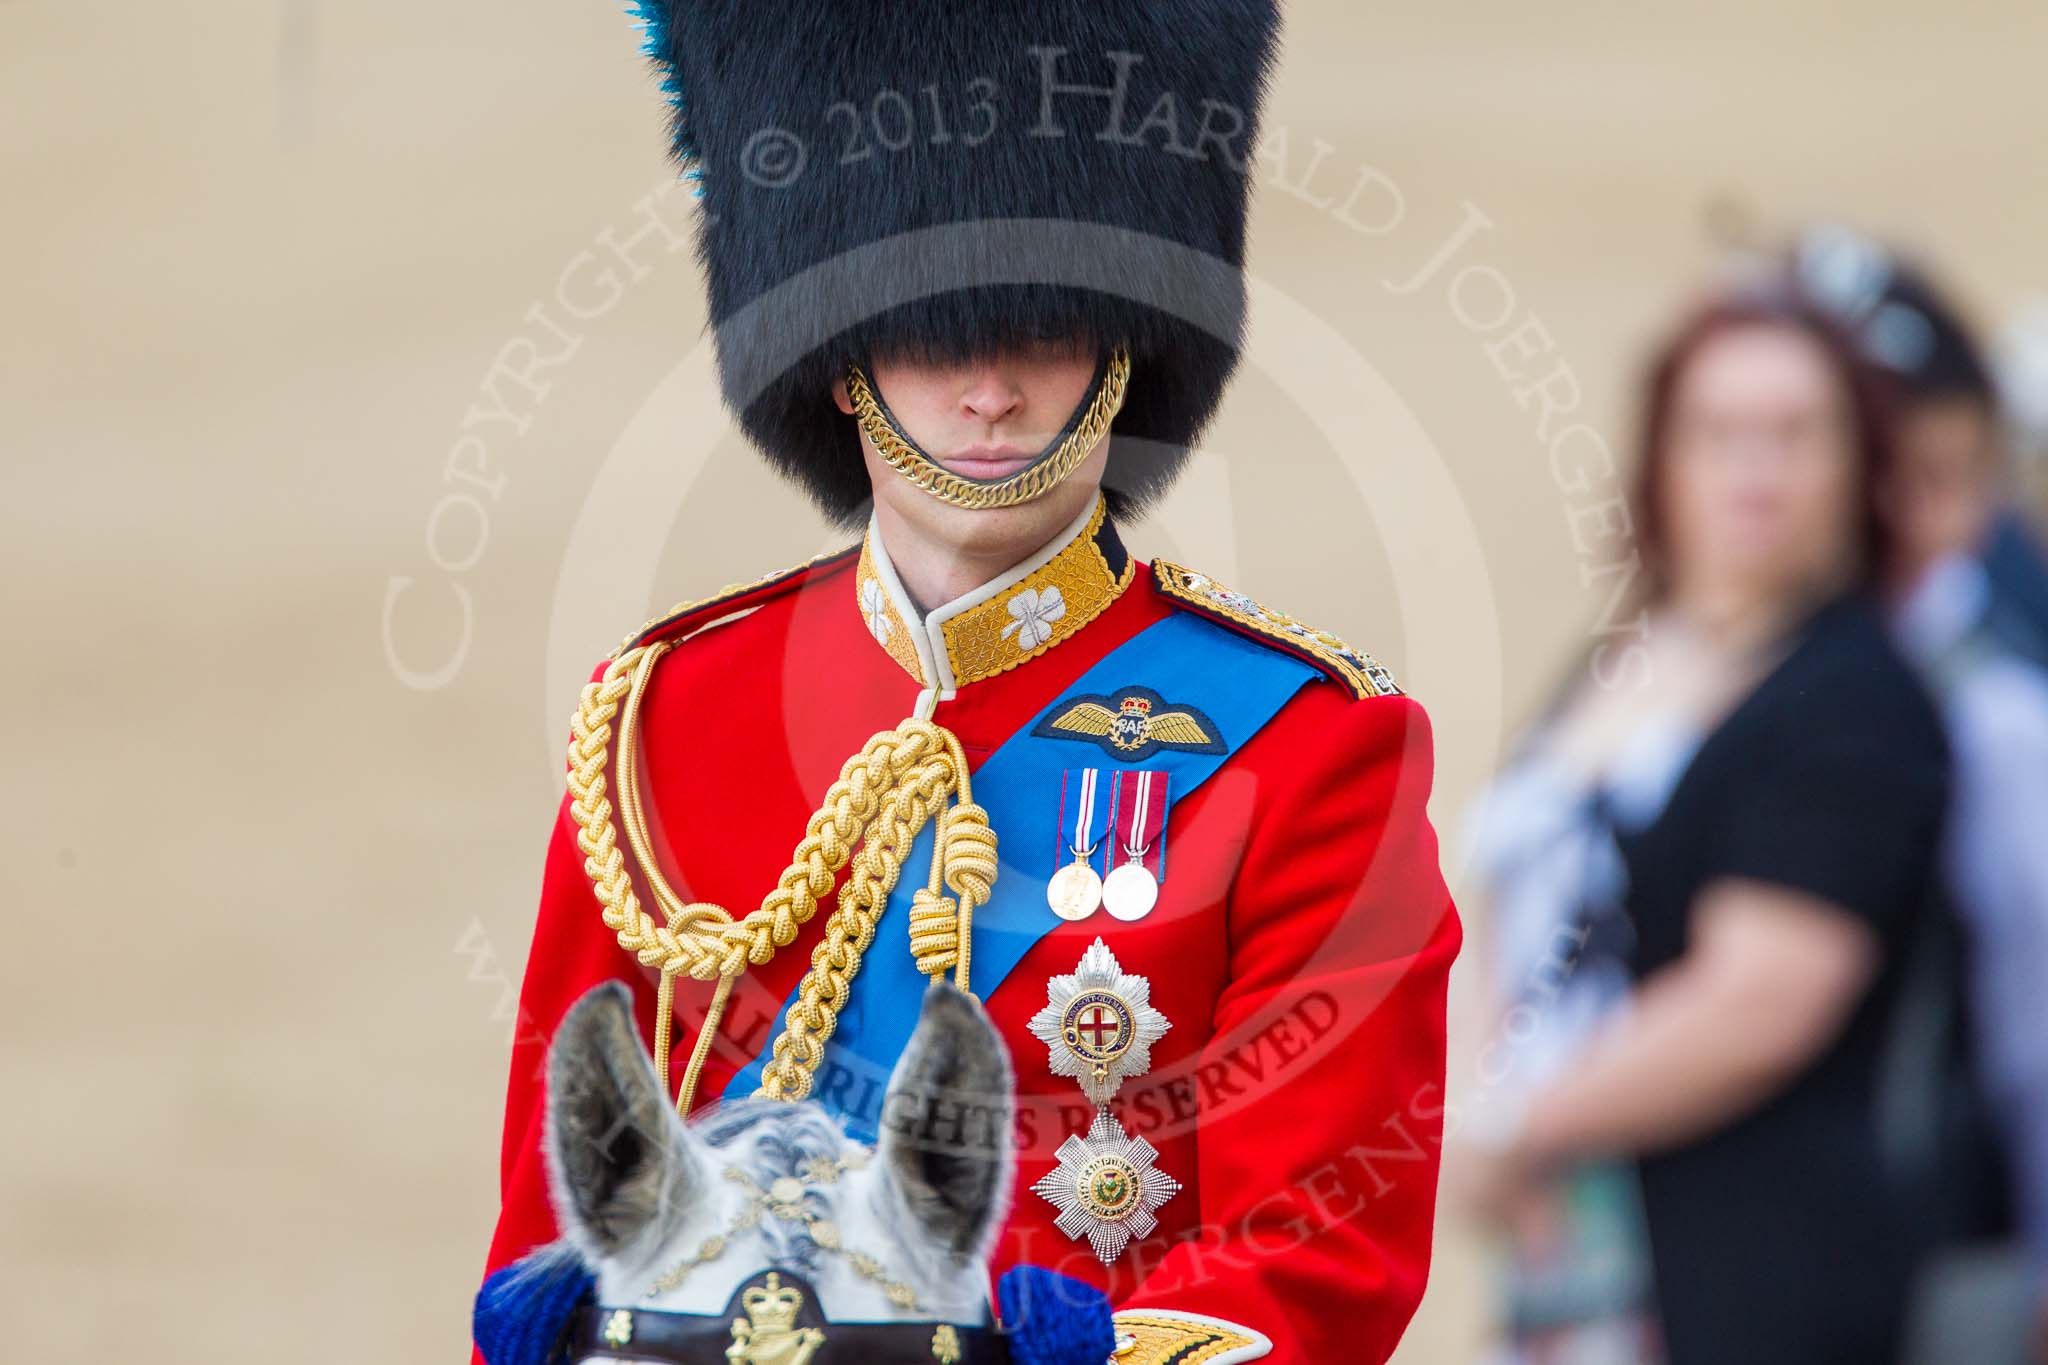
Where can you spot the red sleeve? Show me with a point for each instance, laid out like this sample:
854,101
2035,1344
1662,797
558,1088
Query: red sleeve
1318,1186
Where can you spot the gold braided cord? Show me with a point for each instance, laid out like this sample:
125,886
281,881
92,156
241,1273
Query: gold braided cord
674,910
713,1016
902,455
964,847
884,795
941,926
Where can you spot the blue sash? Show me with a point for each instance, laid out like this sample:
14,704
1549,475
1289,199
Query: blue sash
1237,684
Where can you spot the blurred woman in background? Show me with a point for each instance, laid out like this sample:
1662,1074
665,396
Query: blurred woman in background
1757,782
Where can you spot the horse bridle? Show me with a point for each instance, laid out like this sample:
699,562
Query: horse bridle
773,1319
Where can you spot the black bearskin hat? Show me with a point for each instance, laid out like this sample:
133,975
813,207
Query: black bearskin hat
938,179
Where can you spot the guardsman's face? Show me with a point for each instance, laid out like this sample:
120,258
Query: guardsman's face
985,419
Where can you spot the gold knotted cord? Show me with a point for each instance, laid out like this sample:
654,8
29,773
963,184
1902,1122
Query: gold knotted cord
882,799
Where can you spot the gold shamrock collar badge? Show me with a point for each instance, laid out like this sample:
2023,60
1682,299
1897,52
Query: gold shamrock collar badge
1014,618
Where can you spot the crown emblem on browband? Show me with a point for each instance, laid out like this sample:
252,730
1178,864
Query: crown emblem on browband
774,1304
768,1334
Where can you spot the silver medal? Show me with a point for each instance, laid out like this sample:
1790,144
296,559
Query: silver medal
1130,891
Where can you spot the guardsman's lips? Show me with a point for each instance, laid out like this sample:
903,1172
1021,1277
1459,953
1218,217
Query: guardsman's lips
989,461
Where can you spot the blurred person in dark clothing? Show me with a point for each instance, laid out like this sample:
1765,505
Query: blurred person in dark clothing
1774,779
1961,612
2017,573
1948,411
1994,706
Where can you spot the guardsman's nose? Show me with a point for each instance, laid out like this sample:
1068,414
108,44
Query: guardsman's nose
991,396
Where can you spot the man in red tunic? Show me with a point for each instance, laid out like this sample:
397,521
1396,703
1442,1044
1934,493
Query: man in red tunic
983,299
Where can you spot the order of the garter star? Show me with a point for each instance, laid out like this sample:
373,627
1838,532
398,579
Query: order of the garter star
1099,1024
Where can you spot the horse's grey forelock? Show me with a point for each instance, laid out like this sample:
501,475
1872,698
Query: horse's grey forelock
770,1139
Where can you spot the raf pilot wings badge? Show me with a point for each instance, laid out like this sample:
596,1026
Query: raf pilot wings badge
1132,724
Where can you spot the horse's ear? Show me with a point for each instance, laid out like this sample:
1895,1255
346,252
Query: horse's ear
946,1124
620,1163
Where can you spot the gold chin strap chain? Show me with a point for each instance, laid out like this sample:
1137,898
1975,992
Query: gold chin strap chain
884,795
903,456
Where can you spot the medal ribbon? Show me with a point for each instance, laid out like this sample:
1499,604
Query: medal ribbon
1083,787
1138,814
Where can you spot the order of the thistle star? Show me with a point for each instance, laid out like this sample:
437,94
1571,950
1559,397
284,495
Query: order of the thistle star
1099,1024
1106,1188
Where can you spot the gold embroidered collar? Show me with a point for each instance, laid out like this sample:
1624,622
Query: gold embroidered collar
1018,616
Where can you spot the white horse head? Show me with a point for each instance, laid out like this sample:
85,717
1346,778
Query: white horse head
675,1218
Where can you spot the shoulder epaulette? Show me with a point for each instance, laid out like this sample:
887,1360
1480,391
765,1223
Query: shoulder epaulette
1363,675
736,597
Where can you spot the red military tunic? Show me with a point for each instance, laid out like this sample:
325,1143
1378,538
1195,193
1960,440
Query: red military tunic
1299,947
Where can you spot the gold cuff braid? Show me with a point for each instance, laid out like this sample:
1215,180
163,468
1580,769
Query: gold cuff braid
884,795
1156,1338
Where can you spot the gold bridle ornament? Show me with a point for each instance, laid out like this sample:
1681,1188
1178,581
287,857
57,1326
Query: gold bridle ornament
901,454
884,794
